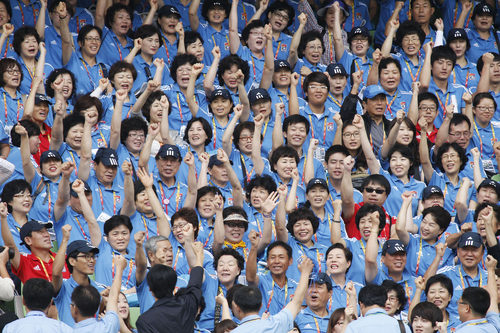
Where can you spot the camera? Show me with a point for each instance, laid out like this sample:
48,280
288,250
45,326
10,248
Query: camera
12,253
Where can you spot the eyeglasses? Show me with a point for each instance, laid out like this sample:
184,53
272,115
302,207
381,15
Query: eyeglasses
87,256
246,138
13,71
446,156
349,135
485,108
184,70
92,39
233,225
371,190
414,40
427,108
392,298
315,87
314,48
463,303
179,226
281,16
23,196
136,135
257,34
459,134
359,40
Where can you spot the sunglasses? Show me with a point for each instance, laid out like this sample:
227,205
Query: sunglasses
371,190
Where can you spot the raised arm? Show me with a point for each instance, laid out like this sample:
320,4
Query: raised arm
134,51
293,56
413,110
227,136
242,92
425,74
57,128
371,160
7,30
433,267
63,194
425,160
466,7
192,185
390,30
181,45
67,43
88,214
39,70
114,293
278,130
403,234
116,119
233,178
372,78
268,207
295,304
420,286
371,264
478,178
100,12
141,261
258,162
251,264
267,74
219,234
393,135
153,131
293,102
309,167
40,21
234,38
195,72
335,226
28,168
461,200
193,15
59,260
394,18
484,81
281,231
86,149
442,134
208,83
337,139
152,12
8,240
30,101
202,177
291,202
338,42
491,264
152,85
164,127
347,190
467,98
128,207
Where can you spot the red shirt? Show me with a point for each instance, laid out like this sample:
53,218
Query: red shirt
44,142
431,136
353,231
32,267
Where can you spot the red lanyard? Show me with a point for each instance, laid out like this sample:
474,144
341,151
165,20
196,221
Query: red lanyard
390,104
324,130
277,51
272,293
481,140
131,266
456,13
88,73
6,109
166,49
146,227
166,201
22,12
411,73
249,174
208,238
81,228
441,103
118,46
215,132
102,200
6,48
357,66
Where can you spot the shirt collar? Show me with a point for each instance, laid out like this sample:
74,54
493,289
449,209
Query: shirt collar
375,311
84,323
250,318
35,314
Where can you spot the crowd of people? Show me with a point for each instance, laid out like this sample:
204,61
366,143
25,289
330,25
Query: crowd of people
250,166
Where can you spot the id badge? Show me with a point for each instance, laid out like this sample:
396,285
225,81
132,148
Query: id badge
319,154
182,130
103,217
488,166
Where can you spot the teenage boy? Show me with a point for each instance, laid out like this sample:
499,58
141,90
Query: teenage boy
488,67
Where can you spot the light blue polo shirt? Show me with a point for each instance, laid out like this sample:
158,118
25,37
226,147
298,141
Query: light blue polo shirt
334,195
451,10
309,322
256,65
210,288
15,229
205,233
409,72
245,12
358,17
467,76
87,76
109,323
125,155
43,204
108,105
357,270
79,226
281,46
141,67
480,46
68,154
213,38
316,253
483,139
274,297
105,200
35,320
349,58
335,105
180,263
167,51
181,115
479,326
241,161
462,280
323,128
53,44
81,18
171,197
407,282
146,299
444,98
301,192
303,62
105,268
182,174
281,322
15,109
452,228
340,296
323,234
7,49
399,101
449,190
256,221
112,49
394,202
26,15
468,170
100,136
422,254
140,222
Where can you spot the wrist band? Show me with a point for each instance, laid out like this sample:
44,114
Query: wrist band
336,221
267,216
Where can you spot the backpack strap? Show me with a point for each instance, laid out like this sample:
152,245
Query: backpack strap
401,326
39,188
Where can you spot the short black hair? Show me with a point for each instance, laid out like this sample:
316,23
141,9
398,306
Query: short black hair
249,125
441,279
245,33
227,251
189,215
385,62
264,181
302,213
85,102
180,60
427,310
120,67
31,127
37,294
207,4
377,180
444,148
161,280
480,62
229,61
372,294
53,77
132,124
405,152
281,6
235,210
478,300
71,121
116,221
148,30
139,187
7,63
295,119
12,188
334,150
84,31
428,96
248,299
110,13
206,128
441,215
155,96
317,77
190,37
484,95
390,285
282,244
206,190
283,151
367,209
86,299
347,253
21,34
458,119
443,52
410,27
309,37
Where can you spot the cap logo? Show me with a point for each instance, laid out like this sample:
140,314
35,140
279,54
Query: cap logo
51,154
458,34
259,96
113,161
469,242
218,93
398,248
434,190
357,31
336,70
486,9
282,64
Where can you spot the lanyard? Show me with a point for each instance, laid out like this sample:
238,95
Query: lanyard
317,255
131,266
253,67
357,66
264,134
466,77
462,278
383,137
166,201
346,301
244,14
146,227
6,47
330,44
102,200
74,162
408,292
208,238
88,73
6,109
272,293
81,228
324,130
22,14
29,71
418,71
102,136
456,13
166,49
180,110
215,131
260,230
419,255
390,104
441,103
446,190
481,140
176,257
277,50
48,197
317,325
49,278
227,39
249,174
478,323
335,100
118,46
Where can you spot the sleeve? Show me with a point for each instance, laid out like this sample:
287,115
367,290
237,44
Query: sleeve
312,24
495,252
349,107
111,322
6,289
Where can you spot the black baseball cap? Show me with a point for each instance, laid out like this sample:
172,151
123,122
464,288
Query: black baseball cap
491,183
392,246
107,156
278,64
483,9
220,92
359,31
168,10
86,188
256,94
470,239
215,161
457,34
431,190
336,69
50,154
32,225
42,98
317,181
81,246
322,278
169,150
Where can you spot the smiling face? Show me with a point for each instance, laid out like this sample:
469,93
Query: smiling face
336,263
135,141
178,229
470,256
392,303
150,45
227,269
374,197
317,196
40,112
183,73
256,40
395,263
122,22
258,196
365,226
296,135
39,239
105,174
359,45
316,93
196,49
483,22
484,110
245,141
221,106
82,265
156,112
303,231
197,135
216,15
234,231
123,80
51,167
4,15
451,161
142,203
285,166
405,134
22,202
205,206
119,238
281,77
123,307
390,77
29,47
399,164
429,229
92,43
168,23
439,295
335,166
168,166
313,51
278,260
74,136
422,325
441,69
317,296
229,77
